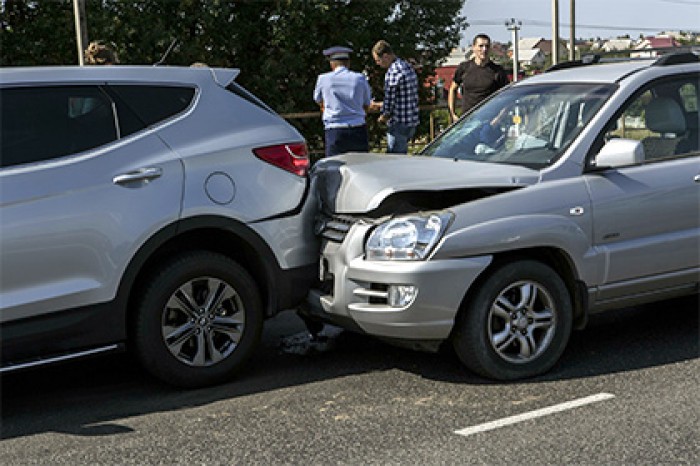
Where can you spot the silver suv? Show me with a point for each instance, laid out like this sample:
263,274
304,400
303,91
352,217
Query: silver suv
568,193
165,208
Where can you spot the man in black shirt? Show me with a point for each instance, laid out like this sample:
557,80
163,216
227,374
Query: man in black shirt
478,77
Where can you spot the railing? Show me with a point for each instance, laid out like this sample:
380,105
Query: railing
433,131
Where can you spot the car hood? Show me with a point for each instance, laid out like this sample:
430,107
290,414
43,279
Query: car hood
357,183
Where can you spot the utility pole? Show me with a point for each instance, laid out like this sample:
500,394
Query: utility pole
514,26
555,32
80,28
572,33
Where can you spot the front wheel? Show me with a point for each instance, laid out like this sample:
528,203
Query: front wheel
517,324
198,320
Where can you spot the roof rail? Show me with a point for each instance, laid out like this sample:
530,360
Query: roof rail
667,56
584,61
677,59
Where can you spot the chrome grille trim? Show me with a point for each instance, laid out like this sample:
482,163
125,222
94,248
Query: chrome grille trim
365,293
336,228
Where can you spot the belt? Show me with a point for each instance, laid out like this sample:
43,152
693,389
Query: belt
347,126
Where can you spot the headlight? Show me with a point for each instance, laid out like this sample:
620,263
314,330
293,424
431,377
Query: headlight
407,238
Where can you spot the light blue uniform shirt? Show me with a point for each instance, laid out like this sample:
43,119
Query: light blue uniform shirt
344,94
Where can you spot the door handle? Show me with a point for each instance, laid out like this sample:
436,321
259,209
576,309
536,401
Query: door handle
140,175
697,178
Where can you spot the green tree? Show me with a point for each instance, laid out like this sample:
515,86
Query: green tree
277,44
33,33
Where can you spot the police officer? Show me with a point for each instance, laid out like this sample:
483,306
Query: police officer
344,96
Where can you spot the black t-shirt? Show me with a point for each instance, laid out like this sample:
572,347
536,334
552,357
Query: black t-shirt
478,82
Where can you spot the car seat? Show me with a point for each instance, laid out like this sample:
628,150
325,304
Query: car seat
664,116
691,142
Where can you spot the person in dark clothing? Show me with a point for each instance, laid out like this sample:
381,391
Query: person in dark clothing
478,78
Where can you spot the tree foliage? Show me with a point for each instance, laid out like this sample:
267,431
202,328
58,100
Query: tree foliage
276,43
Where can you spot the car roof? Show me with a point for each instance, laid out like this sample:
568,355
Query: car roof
598,73
593,69
116,73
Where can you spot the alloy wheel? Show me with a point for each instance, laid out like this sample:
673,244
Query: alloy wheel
521,322
203,321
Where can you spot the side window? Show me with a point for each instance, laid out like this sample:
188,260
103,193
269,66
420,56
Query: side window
663,117
631,123
44,123
152,104
689,97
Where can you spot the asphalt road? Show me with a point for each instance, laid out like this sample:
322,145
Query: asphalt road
633,377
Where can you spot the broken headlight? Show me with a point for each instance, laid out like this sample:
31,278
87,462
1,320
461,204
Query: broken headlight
407,238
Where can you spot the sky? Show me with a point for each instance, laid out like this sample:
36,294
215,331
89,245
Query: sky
594,18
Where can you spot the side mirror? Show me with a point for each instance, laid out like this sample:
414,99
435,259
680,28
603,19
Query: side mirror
620,153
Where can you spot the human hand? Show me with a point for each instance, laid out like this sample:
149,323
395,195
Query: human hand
383,118
375,106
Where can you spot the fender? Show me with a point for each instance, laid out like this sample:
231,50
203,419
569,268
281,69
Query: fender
267,272
524,232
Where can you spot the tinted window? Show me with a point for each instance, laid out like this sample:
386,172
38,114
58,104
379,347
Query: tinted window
153,104
48,122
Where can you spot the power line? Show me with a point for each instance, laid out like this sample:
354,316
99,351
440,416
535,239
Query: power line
683,2
533,22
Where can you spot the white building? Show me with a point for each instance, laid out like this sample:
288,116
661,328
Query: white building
617,44
456,56
531,57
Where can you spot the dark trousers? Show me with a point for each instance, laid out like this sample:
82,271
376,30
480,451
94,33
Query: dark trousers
342,140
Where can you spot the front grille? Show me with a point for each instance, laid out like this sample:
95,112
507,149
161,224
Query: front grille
336,228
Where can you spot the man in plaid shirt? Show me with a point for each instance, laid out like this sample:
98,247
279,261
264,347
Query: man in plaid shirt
400,107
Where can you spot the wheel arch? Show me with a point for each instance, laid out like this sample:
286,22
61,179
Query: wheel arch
555,258
223,235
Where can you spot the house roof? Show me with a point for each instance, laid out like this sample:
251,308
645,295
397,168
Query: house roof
546,46
657,42
529,43
528,54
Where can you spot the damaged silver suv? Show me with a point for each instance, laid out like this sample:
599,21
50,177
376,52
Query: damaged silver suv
568,193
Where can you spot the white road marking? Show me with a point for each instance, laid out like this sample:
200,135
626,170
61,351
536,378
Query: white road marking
506,421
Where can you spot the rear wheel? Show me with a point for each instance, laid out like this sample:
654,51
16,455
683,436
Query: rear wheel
517,324
198,320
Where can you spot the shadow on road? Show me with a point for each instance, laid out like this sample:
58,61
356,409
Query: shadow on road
87,397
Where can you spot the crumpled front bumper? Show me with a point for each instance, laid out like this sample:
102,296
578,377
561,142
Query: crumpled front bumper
356,290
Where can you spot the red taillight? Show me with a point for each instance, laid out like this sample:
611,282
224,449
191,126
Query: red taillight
291,157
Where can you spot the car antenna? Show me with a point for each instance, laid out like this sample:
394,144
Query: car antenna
167,52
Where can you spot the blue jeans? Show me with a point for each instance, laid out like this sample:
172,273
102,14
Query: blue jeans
398,136
342,140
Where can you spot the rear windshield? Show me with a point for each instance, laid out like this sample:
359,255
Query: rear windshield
244,94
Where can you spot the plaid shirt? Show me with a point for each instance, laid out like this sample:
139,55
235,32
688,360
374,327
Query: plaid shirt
401,93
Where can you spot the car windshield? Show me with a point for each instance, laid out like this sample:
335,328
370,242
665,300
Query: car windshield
529,125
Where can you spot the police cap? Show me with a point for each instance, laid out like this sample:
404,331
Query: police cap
338,53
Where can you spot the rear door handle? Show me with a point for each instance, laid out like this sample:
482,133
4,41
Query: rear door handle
697,178
140,175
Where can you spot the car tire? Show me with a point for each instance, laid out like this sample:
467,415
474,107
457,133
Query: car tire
517,323
189,337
